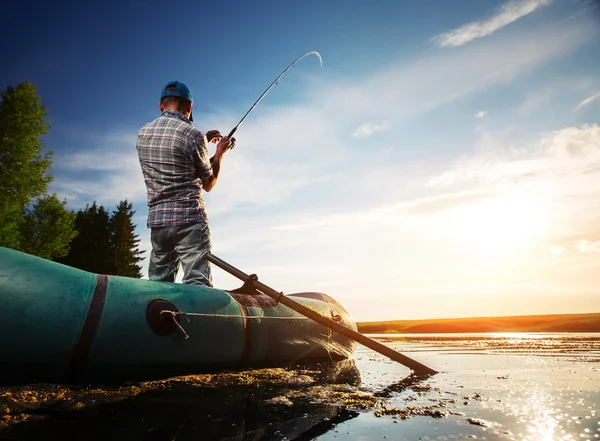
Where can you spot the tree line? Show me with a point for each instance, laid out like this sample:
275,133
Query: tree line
39,223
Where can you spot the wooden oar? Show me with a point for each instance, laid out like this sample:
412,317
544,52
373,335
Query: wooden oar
325,321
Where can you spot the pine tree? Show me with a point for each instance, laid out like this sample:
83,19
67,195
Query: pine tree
124,242
106,244
91,249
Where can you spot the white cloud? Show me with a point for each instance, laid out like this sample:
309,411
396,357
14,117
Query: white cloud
572,150
480,114
107,172
581,144
588,246
488,170
299,152
587,101
534,101
507,14
556,250
369,129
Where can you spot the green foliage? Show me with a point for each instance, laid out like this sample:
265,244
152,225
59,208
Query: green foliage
46,229
40,224
24,177
105,244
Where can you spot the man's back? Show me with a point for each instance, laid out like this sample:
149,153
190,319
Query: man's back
174,160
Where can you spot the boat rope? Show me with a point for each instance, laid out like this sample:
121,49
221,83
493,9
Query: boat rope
185,334
174,315
198,314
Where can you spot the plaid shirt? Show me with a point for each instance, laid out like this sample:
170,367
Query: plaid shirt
174,160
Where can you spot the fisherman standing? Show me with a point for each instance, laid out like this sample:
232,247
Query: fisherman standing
176,167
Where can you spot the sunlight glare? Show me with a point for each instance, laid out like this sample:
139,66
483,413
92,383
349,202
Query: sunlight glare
502,225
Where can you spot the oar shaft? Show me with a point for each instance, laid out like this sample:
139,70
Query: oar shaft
325,321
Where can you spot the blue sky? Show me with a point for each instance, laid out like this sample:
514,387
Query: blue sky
443,162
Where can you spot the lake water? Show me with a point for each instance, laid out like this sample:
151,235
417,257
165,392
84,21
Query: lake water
496,387
490,387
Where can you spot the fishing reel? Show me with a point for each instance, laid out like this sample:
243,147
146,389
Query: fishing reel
232,145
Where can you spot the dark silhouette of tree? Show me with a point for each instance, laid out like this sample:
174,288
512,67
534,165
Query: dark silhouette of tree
43,227
90,249
124,242
106,244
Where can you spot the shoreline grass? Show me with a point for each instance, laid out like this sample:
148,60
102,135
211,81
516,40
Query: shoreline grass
526,323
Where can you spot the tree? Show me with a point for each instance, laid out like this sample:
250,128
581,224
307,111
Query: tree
90,249
105,244
124,242
24,176
46,229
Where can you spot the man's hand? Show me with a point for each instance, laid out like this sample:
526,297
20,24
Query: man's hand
213,136
209,182
223,146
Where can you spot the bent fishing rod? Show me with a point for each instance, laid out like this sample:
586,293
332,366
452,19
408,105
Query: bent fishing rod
230,135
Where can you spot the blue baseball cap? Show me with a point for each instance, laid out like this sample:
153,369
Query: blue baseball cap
178,89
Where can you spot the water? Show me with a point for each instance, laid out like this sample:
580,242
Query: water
490,387
496,386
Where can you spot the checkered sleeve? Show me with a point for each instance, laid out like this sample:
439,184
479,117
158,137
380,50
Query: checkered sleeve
200,156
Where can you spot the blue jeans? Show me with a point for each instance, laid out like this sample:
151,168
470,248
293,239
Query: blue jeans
185,244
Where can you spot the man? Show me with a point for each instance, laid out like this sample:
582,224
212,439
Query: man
176,167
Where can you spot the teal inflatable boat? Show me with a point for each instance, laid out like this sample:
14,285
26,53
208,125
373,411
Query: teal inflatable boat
64,325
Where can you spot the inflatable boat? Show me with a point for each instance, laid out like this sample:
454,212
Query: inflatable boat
64,325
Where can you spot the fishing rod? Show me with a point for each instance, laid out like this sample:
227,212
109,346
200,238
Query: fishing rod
230,135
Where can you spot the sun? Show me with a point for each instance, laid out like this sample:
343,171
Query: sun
505,224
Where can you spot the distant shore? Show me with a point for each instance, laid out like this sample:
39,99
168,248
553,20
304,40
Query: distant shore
526,323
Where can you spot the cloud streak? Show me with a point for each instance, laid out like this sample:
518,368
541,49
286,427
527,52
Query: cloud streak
587,246
507,14
369,129
587,101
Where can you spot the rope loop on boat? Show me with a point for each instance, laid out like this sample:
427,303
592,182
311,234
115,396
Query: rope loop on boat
173,316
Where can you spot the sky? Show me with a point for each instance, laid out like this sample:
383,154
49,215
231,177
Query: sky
443,162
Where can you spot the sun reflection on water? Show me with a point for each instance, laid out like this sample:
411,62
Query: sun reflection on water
541,417
531,386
